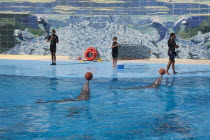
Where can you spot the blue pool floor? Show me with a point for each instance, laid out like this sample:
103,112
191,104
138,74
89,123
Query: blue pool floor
178,110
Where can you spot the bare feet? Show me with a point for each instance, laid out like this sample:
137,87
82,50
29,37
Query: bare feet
175,72
168,73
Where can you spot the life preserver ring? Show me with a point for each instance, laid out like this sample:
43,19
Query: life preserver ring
91,54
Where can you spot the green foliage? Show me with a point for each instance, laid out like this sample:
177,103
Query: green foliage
36,32
8,24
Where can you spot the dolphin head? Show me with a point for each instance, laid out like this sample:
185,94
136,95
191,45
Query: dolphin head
85,93
158,81
181,24
184,22
39,20
17,33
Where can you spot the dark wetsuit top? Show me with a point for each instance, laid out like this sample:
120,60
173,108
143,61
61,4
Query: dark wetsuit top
114,50
53,43
171,48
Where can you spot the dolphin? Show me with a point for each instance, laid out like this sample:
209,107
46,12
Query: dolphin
43,22
18,35
181,25
155,84
84,95
160,27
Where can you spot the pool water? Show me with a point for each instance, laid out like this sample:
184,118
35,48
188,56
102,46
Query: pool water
179,109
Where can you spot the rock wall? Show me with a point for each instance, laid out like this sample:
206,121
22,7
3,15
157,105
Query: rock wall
98,31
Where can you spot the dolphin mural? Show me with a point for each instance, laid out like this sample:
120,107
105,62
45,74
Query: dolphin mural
160,27
181,25
18,35
42,23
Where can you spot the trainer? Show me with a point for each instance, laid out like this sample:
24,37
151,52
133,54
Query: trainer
53,41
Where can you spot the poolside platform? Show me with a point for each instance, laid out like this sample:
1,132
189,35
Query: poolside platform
32,65
66,58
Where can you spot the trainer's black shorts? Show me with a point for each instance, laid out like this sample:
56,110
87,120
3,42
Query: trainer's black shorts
114,54
171,55
52,48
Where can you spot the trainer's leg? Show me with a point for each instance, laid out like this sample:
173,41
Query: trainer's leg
115,62
168,66
52,56
173,67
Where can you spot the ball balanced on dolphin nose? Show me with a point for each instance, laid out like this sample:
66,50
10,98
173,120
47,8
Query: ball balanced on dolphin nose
162,71
84,94
88,76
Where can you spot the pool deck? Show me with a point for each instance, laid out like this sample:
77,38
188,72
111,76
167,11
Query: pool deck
66,58
40,66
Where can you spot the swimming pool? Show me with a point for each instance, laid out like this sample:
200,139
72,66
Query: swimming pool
179,109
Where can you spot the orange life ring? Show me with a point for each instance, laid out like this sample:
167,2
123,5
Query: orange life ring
93,52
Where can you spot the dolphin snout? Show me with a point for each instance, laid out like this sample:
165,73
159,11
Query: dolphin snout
39,21
16,35
184,22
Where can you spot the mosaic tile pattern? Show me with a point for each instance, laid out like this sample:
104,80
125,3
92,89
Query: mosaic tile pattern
142,25
106,7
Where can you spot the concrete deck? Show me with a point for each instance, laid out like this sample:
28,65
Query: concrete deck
66,58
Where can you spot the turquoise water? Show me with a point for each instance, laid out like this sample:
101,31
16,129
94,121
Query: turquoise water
179,109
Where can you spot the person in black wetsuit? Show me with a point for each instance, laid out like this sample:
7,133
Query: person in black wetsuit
114,51
53,40
171,52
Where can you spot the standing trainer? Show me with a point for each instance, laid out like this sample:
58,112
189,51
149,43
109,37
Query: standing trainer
171,52
114,51
53,41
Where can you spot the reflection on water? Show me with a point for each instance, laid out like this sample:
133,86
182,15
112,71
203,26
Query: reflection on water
194,72
114,75
53,72
75,110
169,81
170,121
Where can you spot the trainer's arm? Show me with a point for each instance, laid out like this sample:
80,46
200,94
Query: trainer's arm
173,41
174,44
49,38
57,40
113,46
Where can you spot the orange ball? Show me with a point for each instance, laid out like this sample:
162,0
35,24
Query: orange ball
88,76
162,71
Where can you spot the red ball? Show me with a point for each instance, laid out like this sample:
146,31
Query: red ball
162,71
88,76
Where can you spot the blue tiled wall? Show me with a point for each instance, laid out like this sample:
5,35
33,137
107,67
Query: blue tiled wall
148,21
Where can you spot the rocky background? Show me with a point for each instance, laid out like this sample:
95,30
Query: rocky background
136,37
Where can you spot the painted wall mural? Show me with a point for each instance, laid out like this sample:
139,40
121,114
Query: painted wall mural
142,27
